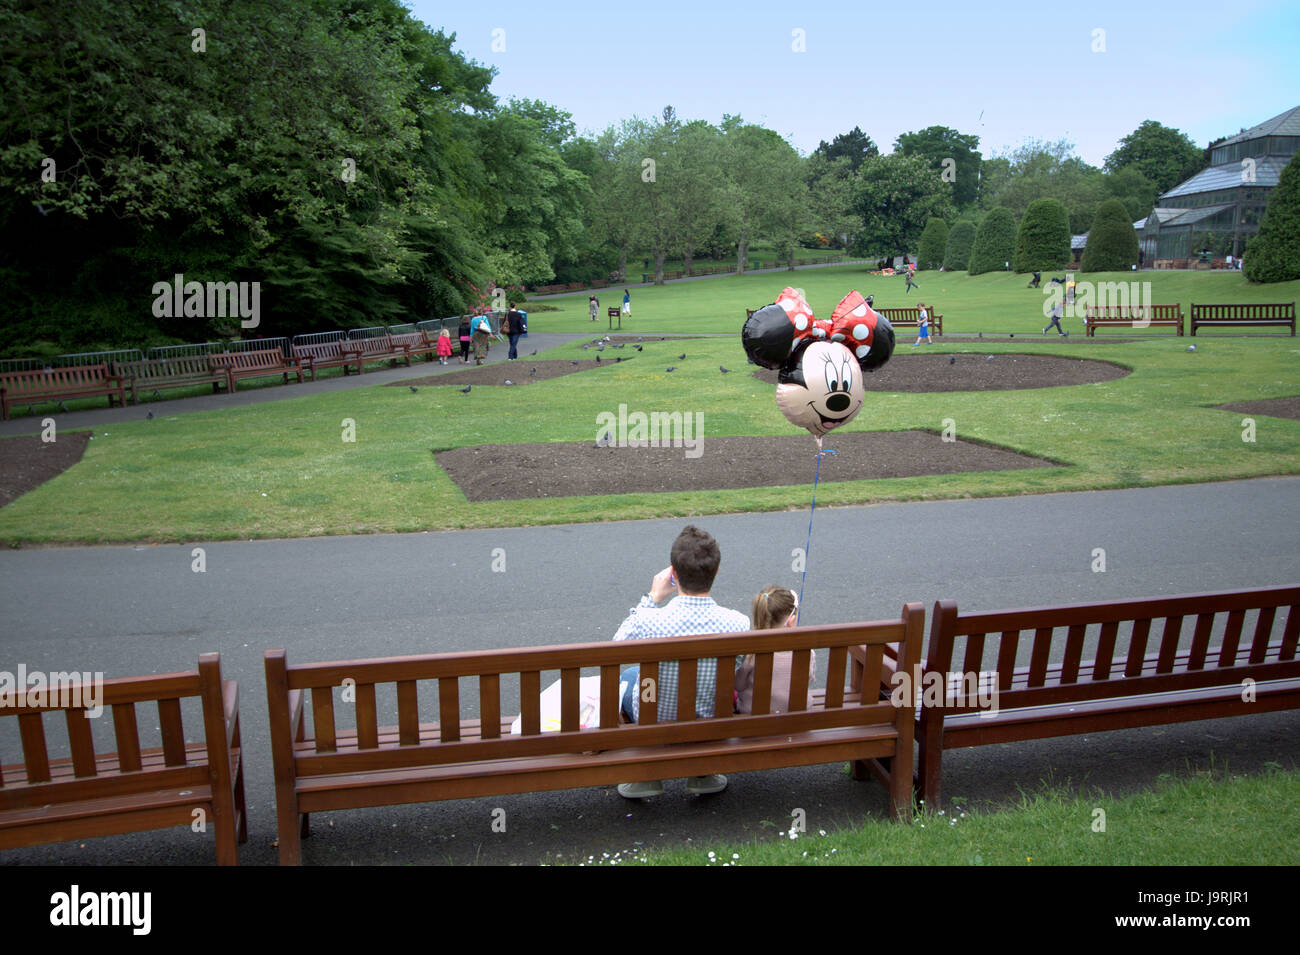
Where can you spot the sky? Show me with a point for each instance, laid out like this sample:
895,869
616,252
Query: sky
1009,72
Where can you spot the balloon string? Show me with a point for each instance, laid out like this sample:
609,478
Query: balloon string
808,546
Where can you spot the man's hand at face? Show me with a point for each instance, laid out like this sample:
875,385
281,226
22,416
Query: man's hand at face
663,586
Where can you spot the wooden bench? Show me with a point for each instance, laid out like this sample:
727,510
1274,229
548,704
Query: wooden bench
325,355
911,315
255,364
155,374
1136,316
1282,314
1119,685
415,344
58,384
378,348
320,766
100,794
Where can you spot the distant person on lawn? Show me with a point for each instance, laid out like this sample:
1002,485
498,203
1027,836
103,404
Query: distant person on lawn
627,302
593,306
694,562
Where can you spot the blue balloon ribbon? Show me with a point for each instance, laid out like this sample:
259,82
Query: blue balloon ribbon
808,547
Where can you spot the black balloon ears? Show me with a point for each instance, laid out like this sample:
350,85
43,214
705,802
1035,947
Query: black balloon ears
768,336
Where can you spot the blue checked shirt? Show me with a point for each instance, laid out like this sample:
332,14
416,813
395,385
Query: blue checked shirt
681,617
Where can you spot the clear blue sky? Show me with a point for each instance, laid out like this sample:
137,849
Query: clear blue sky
1006,71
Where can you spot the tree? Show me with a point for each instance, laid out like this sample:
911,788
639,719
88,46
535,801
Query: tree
855,146
763,188
895,196
1136,191
1164,155
934,242
1043,239
1049,170
995,242
1273,253
1112,241
961,237
830,188
950,154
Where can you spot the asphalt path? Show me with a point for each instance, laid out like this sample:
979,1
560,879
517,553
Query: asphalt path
143,609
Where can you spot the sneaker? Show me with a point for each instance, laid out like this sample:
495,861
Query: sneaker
915,344
642,790
706,785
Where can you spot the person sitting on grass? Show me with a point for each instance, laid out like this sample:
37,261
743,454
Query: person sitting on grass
694,561
773,608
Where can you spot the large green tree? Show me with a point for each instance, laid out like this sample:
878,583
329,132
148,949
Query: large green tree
1112,241
995,242
933,244
1043,239
956,257
895,197
1273,254
855,146
1164,155
952,155
762,186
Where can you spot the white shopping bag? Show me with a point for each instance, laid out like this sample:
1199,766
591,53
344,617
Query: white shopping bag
588,706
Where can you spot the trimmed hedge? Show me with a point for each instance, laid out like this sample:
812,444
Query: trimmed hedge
934,241
1043,240
995,242
960,238
1112,240
1273,254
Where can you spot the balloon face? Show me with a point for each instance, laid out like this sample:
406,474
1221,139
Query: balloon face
821,388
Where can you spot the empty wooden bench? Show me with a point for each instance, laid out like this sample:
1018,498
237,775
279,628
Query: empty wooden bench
912,316
1133,316
100,794
378,348
416,344
1162,669
1228,316
158,373
325,355
320,766
58,384
260,363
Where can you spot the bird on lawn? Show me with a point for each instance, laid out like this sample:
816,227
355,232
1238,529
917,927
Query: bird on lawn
574,363
618,358
952,361
990,358
465,390
532,371
509,382
638,347
150,416
597,359
723,370
671,368
414,390
981,336
605,440
682,355
532,353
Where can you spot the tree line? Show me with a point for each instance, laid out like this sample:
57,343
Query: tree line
354,163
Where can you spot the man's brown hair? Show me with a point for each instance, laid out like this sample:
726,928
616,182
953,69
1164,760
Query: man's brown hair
695,560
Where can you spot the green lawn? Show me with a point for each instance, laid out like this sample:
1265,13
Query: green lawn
281,469
1201,821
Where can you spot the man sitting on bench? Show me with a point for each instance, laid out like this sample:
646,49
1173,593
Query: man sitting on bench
694,564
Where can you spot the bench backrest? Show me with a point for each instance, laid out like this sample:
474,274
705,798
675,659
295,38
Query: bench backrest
1281,310
1121,666
135,770
1132,312
907,314
38,381
408,339
261,358
154,368
379,345
288,689
319,350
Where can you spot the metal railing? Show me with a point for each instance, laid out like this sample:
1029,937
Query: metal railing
71,360
319,338
374,331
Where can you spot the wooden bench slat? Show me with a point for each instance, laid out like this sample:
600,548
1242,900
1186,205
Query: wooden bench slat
687,671
80,741
322,711
647,711
173,733
1137,647
530,702
127,736
1201,641
835,671
1038,661
449,708
489,701
724,696
1231,637
798,692
1263,631
761,699
1169,644
408,712
35,758
367,716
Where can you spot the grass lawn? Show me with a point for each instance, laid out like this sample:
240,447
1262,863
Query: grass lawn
1201,821
282,468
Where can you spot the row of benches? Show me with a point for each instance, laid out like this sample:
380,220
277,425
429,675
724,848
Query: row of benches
1202,316
118,379
878,698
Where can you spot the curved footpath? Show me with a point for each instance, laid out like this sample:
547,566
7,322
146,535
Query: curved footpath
135,609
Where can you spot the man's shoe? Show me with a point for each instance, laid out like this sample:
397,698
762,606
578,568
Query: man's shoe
642,790
706,785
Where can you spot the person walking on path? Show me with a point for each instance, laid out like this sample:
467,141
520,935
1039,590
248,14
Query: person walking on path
593,306
910,284
444,346
1056,313
923,336
627,303
464,334
482,335
516,325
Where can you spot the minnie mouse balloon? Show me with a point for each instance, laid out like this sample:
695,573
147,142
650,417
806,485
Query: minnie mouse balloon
820,387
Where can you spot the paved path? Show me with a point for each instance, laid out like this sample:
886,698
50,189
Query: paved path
127,610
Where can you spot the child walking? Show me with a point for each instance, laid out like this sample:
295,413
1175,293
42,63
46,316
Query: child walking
924,337
444,346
